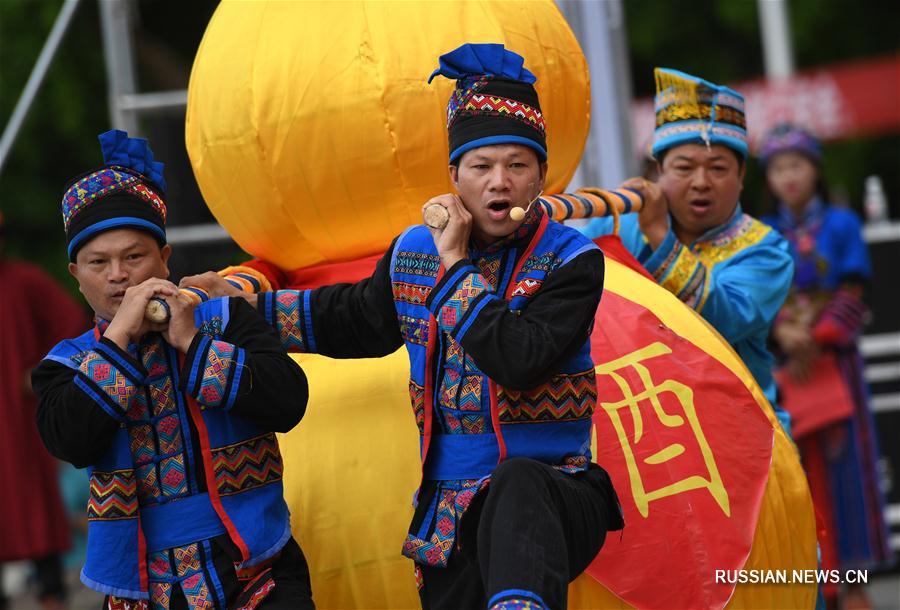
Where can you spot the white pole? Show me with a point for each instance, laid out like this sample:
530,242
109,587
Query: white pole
778,52
600,29
115,21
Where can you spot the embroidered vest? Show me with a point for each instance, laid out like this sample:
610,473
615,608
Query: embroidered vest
144,492
483,422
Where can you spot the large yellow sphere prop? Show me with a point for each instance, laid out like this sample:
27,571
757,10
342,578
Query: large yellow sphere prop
314,135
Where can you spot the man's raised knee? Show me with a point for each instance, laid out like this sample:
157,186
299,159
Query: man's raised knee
518,471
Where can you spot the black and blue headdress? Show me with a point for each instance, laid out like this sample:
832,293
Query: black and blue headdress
494,102
126,193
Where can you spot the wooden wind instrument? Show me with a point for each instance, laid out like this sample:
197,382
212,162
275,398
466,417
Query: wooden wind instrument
240,277
158,310
584,203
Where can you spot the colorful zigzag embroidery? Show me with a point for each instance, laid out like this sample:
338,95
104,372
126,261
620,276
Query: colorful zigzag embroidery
247,465
113,495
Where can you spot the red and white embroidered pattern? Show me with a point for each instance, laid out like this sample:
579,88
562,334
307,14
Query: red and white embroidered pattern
503,106
527,288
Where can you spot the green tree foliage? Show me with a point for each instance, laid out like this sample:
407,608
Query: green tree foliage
58,134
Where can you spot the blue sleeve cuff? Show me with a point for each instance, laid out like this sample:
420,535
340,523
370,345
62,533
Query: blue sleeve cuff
215,372
289,312
264,305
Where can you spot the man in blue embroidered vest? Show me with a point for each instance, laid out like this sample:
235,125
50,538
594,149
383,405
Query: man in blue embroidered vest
692,234
495,314
175,421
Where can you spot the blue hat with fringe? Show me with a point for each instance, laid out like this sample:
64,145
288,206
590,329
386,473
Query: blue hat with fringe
690,110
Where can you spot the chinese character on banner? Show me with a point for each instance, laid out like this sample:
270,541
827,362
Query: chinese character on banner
684,414
682,429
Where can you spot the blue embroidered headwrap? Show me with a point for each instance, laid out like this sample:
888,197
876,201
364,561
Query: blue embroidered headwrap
494,102
690,110
127,192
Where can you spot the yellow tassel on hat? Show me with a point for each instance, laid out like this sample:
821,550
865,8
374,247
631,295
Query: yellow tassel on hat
679,98
675,88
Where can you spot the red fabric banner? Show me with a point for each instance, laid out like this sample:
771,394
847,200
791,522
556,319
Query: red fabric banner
690,479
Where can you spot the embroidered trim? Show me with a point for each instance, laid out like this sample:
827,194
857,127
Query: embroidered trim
288,320
436,550
562,398
173,476
410,293
122,603
686,275
527,288
103,182
703,111
162,395
113,495
153,358
217,381
744,233
263,590
117,390
160,595
187,559
458,303
501,106
417,400
414,330
465,87
247,465
143,449
148,483
545,262
195,588
212,328
489,268
417,263
454,499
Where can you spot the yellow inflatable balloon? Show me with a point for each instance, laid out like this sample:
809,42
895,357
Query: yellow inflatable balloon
314,136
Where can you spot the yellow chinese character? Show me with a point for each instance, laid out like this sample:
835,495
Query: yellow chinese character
652,392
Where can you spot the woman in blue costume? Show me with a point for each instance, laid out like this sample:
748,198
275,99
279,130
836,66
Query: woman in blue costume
817,331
